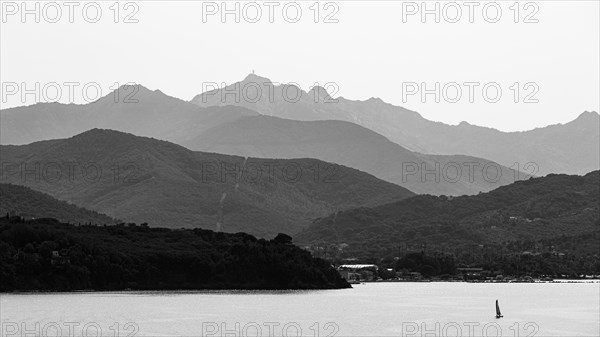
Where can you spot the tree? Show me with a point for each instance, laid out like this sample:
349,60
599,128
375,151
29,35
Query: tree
283,239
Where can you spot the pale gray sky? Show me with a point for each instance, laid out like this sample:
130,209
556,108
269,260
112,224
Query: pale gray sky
369,52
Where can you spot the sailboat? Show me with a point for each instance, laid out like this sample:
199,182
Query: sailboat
498,313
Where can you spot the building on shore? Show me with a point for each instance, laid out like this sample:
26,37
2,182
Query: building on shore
358,272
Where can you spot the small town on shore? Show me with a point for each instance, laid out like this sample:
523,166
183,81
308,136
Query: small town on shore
359,273
541,264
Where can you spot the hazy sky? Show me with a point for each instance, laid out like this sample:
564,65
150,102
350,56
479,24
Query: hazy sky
376,49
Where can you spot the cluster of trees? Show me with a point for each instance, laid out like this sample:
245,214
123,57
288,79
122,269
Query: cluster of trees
546,264
45,254
427,265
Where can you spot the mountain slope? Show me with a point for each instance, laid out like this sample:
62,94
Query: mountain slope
25,202
146,180
354,146
133,109
538,208
572,148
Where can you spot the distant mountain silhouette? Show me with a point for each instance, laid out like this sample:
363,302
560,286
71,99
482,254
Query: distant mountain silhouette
543,208
22,201
133,109
571,148
148,180
354,146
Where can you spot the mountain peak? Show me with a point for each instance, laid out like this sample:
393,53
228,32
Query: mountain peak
99,135
130,90
98,132
134,89
586,119
588,115
118,141
375,100
134,93
252,77
128,86
320,91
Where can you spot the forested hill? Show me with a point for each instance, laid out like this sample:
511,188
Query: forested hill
44,254
25,202
545,208
140,179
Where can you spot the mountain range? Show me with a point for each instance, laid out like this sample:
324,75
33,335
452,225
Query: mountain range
238,130
328,171
355,146
146,113
139,179
571,148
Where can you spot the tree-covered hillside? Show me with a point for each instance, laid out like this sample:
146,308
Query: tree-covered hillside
139,179
25,202
44,254
550,208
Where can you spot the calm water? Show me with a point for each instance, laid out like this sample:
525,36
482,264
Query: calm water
375,309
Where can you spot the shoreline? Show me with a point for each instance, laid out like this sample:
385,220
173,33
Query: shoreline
273,291
594,280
